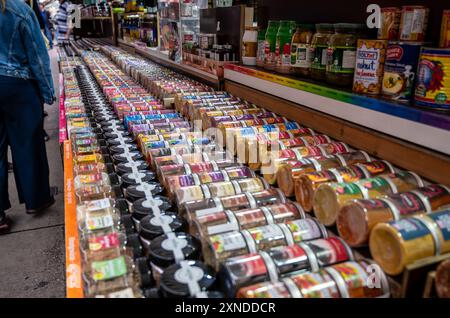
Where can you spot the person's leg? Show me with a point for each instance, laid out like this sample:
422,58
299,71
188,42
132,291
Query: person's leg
4,198
25,134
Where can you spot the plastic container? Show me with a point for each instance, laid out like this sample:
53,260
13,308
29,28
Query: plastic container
283,47
396,244
302,54
270,45
241,201
218,248
330,197
319,44
228,221
249,46
307,184
260,51
341,54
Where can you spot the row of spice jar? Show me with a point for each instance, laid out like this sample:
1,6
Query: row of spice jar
301,229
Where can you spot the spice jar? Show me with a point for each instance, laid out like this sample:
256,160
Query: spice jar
283,47
270,45
396,244
260,51
306,184
302,54
152,226
319,45
330,197
218,248
227,221
341,54
357,218
249,46
241,201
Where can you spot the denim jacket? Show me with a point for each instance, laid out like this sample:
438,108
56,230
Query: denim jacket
22,49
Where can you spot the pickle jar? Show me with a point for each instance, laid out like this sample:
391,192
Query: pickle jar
319,46
270,45
341,54
302,54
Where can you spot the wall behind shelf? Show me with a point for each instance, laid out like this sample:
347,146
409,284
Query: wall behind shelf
344,11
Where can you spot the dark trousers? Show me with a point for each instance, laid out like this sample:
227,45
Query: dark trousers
21,127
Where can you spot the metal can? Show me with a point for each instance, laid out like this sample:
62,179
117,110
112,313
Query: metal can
400,70
390,22
433,80
413,23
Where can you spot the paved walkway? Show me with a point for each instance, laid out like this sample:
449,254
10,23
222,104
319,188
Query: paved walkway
32,254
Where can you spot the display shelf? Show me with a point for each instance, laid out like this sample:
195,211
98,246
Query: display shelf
162,58
74,285
426,128
95,18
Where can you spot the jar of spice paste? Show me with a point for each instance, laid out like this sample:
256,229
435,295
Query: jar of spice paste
307,184
195,209
330,197
227,221
219,189
218,248
302,54
436,196
283,47
341,54
278,289
270,45
396,244
319,45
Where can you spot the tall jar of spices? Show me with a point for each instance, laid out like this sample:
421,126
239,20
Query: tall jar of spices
283,47
261,47
341,54
319,46
270,45
249,46
301,51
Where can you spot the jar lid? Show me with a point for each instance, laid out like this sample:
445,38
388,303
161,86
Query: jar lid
187,279
127,167
133,178
306,26
144,207
152,226
143,190
325,27
171,248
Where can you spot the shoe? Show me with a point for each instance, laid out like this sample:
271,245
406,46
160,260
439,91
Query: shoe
42,208
4,223
10,167
45,113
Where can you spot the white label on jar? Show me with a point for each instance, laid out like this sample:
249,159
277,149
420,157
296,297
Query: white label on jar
222,228
189,275
162,221
232,241
99,222
305,56
152,203
132,164
324,60
348,59
174,244
304,230
147,189
97,205
418,21
137,175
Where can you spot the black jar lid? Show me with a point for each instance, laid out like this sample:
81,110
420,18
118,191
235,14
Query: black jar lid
127,167
134,178
119,141
119,149
144,207
136,192
187,278
131,156
152,226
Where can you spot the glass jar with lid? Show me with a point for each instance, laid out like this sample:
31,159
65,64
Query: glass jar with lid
301,50
341,54
319,46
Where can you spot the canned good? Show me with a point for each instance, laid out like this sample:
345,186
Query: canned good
433,79
400,70
396,244
370,57
390,23
413,23
330,197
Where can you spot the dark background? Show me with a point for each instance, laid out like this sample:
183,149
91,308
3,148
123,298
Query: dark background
354,11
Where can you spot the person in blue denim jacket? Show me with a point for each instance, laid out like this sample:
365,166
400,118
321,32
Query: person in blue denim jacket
25,84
